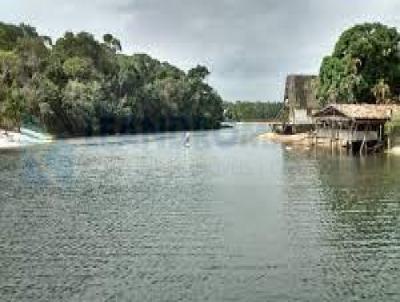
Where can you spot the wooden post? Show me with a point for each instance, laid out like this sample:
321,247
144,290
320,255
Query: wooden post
350,137
362,145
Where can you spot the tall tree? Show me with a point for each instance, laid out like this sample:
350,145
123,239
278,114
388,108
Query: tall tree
198,72
112,42
364,55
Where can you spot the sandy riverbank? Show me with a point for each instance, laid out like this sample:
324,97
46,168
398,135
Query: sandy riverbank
9,139
12,139
300,140
304,139
394,151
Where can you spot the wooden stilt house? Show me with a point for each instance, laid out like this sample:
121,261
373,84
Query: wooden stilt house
357,126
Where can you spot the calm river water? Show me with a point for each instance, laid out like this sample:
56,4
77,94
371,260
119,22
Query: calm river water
142,218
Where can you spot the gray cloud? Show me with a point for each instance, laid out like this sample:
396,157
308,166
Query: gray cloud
250,46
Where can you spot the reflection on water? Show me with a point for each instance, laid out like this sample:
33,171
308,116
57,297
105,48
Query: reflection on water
349,232
141,218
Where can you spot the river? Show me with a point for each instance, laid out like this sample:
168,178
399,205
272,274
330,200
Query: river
231,218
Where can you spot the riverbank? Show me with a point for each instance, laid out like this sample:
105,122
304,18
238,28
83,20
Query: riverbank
9,139
394,151
301,139
13,139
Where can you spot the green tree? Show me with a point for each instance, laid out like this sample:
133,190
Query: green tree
9,34
381,92
8,67
363,55
33,55
77,108
252,111
84,45
78,68
112,42
199,72
14,107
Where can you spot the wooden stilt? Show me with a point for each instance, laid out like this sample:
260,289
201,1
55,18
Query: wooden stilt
362,146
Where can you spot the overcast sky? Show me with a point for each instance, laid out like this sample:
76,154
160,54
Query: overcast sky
249,45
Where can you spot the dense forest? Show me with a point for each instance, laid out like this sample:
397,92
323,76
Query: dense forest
363,68
81,86
252,111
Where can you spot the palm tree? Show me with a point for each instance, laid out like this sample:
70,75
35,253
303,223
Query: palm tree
381,92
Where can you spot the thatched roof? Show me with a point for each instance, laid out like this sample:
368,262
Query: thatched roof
300,91
359,111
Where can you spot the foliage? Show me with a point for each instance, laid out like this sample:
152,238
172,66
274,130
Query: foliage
78,68
80,86
198,72
251,111
392,127
12,107
365,57
112,42
84,45
9,34
381,92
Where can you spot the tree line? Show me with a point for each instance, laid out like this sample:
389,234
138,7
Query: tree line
252,111
78,86
363,68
